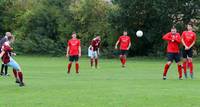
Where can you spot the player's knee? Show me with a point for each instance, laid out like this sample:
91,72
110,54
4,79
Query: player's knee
169,62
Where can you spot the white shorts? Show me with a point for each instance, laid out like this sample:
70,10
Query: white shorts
94,54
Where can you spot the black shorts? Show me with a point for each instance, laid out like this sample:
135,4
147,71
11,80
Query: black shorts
73,58
187,53
174,56
123,52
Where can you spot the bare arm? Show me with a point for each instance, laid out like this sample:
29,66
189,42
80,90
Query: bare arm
2,53
116,44
79,51
184,43
129,46
191,45
67,54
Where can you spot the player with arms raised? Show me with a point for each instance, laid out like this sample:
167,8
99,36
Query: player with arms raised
94,47
188,41
124,42
73,52
174,39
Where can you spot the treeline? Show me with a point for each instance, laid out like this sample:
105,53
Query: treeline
44,26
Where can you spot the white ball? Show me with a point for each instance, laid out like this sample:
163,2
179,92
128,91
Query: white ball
139,33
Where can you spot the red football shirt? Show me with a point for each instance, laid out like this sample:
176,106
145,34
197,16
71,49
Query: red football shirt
188,37
173,46
74,47
6,56
95,44
124,42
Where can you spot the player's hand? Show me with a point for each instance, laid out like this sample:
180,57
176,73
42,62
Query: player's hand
13,54
116,47
187,48
67,55
79,55
173,40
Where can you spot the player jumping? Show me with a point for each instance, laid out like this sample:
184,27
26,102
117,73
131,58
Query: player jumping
8,60
188,41
124,42
73,52
173,38
94,47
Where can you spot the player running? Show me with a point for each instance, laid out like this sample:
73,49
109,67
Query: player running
174,39
94,47
188,41
124,42
5,54
73,52
4,66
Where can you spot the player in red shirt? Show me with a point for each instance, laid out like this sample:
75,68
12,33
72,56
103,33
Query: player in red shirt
8,60
124,42
174,39
73,52
188,41
94,47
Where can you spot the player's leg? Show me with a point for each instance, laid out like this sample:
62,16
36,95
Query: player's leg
96,59
190,63
15,75
184,54
6,70
178,59
17,69
167,65
77,63
71,59
92,59
2,68
124,58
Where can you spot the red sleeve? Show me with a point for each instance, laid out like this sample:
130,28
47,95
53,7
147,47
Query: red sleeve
167,37
178,39
183,34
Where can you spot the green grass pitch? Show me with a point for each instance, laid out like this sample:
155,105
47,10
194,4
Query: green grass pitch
140,84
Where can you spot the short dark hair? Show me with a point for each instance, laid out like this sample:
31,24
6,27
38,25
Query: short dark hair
173,27
10,38
190,23
74,32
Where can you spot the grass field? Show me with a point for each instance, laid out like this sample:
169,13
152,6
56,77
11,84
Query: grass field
137,85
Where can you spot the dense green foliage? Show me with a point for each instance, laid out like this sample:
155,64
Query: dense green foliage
44,26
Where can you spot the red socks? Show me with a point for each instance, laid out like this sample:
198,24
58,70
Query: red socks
180,71
15,73
191,67
166,69
185,67
20,75
123,60
69,67
77,68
